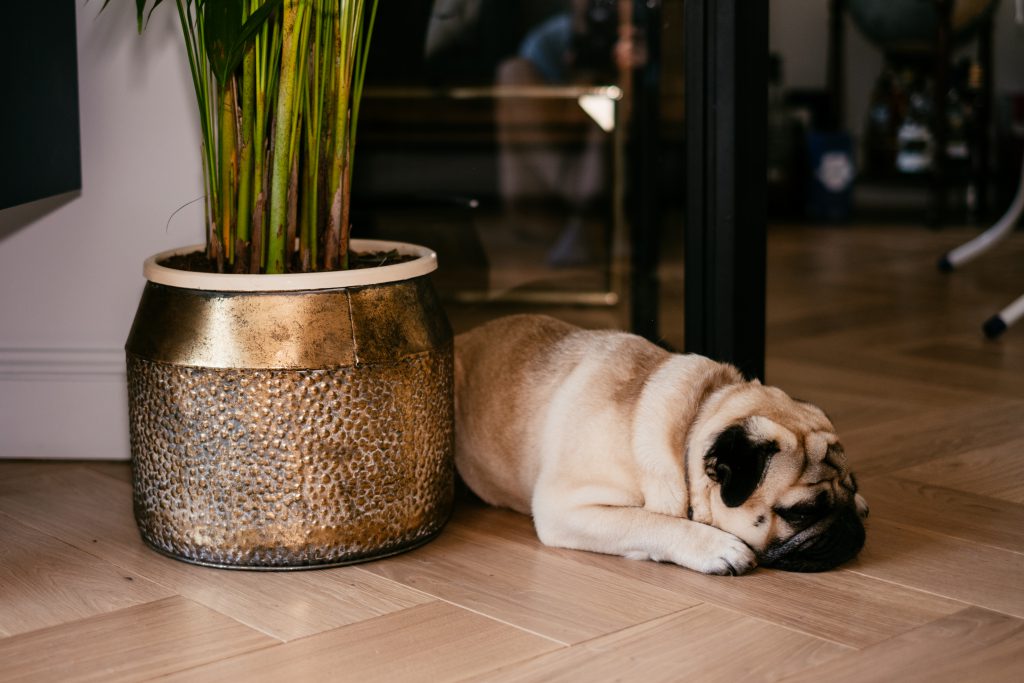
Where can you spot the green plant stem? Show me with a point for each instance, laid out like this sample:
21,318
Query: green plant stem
301,121
314,94
228,164
362,41
279,98
265,41
281,162
339,143
247,153
360,53
191,28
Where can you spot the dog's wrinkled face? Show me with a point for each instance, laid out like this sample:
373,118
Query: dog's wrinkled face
776,477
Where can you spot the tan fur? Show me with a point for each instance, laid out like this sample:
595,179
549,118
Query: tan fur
587,430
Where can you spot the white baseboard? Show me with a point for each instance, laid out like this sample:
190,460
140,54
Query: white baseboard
63,403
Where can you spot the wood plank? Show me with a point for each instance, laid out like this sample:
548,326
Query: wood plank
118,470
886,328
945,511
995,471
903,396
44,582
133,644
972,645
12,469
934,434
961,570
94,512
703,643
858,356
528,586
432,642
825,319
840,606
972,352
16,469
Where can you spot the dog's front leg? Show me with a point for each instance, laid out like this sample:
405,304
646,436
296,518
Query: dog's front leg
639,534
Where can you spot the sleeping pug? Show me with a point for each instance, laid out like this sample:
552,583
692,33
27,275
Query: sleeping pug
617,446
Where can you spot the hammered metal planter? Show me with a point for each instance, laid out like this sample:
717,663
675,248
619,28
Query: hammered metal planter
291,421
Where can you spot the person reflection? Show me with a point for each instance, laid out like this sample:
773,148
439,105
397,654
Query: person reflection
548,148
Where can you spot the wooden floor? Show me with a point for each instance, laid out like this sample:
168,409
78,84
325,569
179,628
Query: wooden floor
931,414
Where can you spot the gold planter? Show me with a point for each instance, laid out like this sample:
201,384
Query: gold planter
291,421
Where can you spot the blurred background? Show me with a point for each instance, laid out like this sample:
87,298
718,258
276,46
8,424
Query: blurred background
504,134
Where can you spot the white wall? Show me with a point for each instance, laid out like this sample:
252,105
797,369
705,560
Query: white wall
799,33
70,267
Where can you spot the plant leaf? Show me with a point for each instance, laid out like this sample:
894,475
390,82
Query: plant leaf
222,23
226,35
140,8
140,11
249,29
155,3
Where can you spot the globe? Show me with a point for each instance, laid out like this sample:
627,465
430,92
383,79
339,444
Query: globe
909,26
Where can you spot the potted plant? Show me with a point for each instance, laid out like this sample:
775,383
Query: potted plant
290,389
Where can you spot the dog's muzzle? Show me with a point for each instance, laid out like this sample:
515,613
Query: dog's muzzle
820,547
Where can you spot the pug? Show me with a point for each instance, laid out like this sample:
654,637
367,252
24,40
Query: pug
617,446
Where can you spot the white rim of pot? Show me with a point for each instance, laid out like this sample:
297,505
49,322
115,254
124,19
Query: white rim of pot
424,263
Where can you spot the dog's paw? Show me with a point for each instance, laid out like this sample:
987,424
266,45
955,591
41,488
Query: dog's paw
724,554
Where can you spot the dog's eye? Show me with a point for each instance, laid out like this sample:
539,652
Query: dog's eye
798,517
805,514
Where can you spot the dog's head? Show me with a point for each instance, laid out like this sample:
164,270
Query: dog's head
770,470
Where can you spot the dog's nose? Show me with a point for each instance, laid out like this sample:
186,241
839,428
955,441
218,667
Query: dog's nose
829,543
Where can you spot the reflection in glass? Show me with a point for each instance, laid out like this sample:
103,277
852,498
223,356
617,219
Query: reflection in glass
492,131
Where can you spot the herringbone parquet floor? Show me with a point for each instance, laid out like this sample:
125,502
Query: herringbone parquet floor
860,322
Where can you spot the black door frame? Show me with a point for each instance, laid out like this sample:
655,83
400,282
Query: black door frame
726,185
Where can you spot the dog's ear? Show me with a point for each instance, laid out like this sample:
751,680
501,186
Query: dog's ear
738,463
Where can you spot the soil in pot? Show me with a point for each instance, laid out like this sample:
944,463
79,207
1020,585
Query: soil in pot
199,262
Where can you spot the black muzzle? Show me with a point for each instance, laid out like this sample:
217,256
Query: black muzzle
821,546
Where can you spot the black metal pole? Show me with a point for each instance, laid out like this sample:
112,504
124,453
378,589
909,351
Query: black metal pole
726,137
644,184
